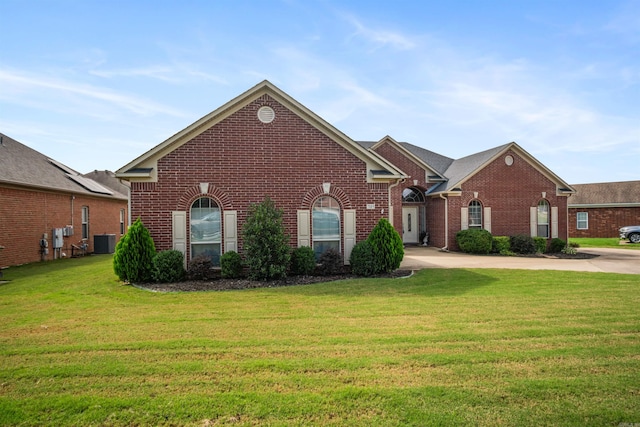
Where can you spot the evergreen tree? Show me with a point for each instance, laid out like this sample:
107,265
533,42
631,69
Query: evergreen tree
266,246
134,253
387,246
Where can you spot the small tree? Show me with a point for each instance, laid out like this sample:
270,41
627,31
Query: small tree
134,253
387,246
266,246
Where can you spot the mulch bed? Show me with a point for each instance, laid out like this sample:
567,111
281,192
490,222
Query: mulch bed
243,283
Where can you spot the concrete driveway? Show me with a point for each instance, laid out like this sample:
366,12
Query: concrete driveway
608,261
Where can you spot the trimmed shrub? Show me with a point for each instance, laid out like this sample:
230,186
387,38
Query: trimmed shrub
474,241
541,244
362,259
134,253
168,266
501,245
231,265
557,245
522,244
387,246
266,246
200,268
330,262
303,261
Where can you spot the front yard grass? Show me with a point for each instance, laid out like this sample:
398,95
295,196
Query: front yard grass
603,242
444,347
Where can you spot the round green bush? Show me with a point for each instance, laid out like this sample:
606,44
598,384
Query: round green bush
303,261
474,241
231,265
522,244
362,259
168,266
500,245
387,246
200,268
330,262
541,244
557,245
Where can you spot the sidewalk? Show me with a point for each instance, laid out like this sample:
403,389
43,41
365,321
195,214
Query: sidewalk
608,260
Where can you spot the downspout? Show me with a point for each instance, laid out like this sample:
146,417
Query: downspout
567,223
446,222
390,208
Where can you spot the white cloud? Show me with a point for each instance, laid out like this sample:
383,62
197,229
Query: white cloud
53,93
380,37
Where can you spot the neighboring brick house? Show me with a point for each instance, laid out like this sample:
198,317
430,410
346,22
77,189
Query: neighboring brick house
332,189
600,209
39,195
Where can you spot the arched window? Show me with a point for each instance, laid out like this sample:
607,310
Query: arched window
543,218
206,229
412,195
475,214
325,225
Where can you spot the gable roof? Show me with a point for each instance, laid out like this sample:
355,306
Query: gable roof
145,166
23,166
606,194
423,158
461,170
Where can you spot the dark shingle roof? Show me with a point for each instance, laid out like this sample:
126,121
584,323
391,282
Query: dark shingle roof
606,193
24,166
461,168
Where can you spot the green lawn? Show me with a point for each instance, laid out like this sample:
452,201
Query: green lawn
608,242
444,347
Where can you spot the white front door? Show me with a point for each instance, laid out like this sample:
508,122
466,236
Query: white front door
410,224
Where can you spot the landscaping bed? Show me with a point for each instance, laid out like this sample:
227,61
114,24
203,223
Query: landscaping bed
220,284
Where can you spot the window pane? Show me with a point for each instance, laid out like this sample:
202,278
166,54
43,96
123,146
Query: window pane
210,250
326,219
320,247
325,225
412,195
543,230
205,221
475,214
583,220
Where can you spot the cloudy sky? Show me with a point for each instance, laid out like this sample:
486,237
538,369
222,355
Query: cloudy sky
95,84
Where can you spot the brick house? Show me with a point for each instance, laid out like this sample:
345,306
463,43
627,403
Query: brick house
332,189
600,209
39,195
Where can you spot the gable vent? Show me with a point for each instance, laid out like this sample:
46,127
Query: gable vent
266,114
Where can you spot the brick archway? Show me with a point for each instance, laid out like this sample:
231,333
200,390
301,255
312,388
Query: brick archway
334,191
193,193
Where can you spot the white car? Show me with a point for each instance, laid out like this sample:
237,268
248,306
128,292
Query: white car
631,232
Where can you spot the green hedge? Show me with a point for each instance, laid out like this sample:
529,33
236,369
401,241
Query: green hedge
474,241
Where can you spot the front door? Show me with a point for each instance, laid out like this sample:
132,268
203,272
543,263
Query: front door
410,224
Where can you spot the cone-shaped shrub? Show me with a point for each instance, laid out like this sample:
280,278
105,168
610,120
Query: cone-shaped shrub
134,253
266,246
387,247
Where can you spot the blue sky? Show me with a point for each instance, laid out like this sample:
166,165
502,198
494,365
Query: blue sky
95,84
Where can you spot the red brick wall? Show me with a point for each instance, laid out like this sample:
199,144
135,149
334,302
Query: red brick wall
409,167
245,160
509,191
603,222
28,214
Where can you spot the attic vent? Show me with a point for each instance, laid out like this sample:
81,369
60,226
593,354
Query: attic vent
266,114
